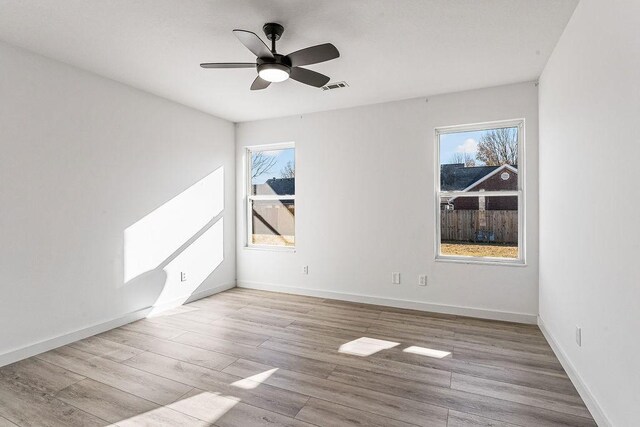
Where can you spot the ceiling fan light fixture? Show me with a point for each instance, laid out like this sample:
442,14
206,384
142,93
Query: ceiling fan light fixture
273,73
273,67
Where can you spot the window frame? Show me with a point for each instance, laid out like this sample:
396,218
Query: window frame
520,193
248,197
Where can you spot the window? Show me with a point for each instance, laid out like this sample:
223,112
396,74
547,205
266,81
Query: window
479,192
271,195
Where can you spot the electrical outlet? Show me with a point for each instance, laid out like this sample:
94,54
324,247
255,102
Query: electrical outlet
305,269
183,276
422,280
579,336
395,278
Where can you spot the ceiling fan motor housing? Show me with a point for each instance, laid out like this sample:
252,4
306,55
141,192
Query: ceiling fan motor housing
273,31
277,59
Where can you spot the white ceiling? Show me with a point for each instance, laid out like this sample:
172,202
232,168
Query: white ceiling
390,49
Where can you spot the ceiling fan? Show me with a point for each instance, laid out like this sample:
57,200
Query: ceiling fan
273,67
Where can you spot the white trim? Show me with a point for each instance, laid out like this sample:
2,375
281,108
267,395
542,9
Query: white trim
211,291
504,193
481,313
68,338
247,192
271,146
273,197
583,390
186,299
498,124
520,124
460,259
272,248
248,197
97,328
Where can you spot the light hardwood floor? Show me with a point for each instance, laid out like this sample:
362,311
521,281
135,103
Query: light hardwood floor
245,357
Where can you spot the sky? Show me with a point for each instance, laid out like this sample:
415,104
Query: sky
459,142
282,158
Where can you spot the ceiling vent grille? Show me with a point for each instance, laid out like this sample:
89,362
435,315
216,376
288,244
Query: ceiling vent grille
335,85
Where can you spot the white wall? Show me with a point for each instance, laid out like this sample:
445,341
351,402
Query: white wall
365,206
589,205
87,166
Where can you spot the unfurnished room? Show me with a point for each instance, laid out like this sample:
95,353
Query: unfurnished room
383,213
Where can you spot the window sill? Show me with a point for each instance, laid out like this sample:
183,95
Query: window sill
478,261
269,248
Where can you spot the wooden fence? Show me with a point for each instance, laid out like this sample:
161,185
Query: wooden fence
274,219
467,225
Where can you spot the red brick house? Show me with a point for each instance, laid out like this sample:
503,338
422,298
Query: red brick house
457,177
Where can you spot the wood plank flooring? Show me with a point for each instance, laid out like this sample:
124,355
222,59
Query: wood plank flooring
252,358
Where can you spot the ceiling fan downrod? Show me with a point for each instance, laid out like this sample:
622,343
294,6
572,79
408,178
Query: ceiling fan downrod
273,31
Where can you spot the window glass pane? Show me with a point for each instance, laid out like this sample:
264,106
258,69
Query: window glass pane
476,160
273,172
479,226
273,222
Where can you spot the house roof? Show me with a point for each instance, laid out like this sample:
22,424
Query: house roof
277,186
457,177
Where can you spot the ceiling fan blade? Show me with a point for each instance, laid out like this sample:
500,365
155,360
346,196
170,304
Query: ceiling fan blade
308,77
253,43
228,65
313,55
259,83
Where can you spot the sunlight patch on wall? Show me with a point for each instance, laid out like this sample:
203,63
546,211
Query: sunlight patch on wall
429,352
254,380
198,260
154,238
366,346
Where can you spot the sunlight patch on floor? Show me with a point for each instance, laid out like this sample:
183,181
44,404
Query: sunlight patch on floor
195,407
429,352
254,380
365,346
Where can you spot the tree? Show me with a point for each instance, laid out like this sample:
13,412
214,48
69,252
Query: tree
465,158
288,171
498,147
261,164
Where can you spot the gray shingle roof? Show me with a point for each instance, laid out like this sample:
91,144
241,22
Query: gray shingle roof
456,177
278,186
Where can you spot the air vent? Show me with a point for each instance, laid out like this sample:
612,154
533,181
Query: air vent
335,85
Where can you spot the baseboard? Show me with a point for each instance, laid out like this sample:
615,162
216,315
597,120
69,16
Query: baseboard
60,340
585,393
208,292
186,299
398,303
64,339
